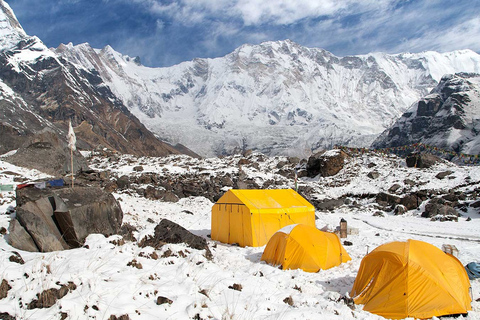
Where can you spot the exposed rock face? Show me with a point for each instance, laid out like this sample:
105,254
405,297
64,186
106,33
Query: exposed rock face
326,163
58,219
447,118
170,232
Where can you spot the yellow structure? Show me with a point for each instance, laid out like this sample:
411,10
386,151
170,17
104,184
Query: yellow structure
411,279
304,247
251,217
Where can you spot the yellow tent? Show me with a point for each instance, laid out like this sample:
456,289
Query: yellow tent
411,279
304,247
251,217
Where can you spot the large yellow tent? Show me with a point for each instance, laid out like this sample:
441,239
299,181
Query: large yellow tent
411,279
304,247
251,217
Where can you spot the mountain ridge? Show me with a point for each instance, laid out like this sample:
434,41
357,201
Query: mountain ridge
277,97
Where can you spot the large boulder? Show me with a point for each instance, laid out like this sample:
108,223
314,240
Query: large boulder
326,163
58,219
422,160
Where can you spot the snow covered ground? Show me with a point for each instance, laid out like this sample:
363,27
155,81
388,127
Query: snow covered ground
116,278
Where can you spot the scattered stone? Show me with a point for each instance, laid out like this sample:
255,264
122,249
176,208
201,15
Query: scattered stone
409,182
135,263
123,182
204,292
410,201
6,316
16,257
383,198
394,188
373,175
122,317
163,300
138,168
443,174
49,297
469,219
327,204
371,165
288,300
400,209
347,243
236,286
378,214
4,288
127,230
475,204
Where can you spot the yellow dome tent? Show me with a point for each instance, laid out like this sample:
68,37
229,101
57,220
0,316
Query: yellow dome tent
304,247
411,279
251,217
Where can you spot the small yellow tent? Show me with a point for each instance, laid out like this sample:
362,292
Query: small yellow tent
411,279
304,247
251,217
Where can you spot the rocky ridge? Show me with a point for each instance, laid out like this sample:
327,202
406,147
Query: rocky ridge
449,117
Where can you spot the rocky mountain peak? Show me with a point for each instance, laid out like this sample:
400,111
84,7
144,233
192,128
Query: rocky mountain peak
448,117
10,29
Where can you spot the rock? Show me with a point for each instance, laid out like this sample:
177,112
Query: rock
328,204
409,182
45,238
373,175
138,168
19,238
153,193
61,218
6,316
422,160
389,199
443,174
16,257
163,300
433,209
394,188
170,197
475,204
87,211
326,163
49,297
4,288
410,201
400,209
371,165
170,232
123,182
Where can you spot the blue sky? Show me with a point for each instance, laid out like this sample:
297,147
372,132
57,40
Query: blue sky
167,32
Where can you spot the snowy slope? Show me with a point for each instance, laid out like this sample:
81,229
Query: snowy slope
108,283
276,97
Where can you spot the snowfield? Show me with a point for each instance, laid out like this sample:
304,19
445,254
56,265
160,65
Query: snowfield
115,277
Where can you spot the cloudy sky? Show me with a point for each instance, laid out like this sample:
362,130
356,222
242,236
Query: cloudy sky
167,32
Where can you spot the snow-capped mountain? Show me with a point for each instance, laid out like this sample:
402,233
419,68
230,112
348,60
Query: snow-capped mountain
449,117
276,97
39,89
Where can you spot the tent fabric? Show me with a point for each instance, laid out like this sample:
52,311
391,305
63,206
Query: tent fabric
251,217
411,279
304,247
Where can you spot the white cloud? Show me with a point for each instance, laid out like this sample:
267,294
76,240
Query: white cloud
463,36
